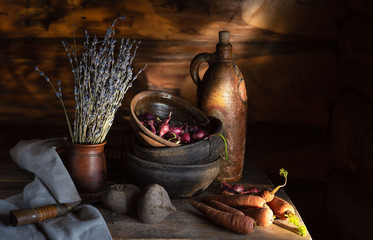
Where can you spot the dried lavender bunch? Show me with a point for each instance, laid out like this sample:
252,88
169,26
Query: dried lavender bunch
102,78
59,96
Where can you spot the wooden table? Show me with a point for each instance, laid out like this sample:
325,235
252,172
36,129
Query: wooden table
186,223
189,223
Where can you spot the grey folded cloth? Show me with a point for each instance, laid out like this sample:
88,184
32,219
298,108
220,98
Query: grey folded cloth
52,184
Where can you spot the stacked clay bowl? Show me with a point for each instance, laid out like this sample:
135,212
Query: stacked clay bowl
184,170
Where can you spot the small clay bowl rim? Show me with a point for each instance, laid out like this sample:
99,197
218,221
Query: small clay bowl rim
148,136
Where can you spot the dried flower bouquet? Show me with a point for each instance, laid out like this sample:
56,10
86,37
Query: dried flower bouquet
102,78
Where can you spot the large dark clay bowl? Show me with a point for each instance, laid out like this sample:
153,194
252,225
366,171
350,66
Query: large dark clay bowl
161,104
200,152
180,181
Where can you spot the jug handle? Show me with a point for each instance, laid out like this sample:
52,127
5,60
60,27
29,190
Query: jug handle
194,66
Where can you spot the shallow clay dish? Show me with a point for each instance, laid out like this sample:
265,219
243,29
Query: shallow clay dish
161,104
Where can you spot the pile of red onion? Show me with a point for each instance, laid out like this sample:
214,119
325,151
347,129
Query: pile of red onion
183,134
228,189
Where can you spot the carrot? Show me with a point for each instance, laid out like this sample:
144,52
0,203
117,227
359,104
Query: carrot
235,223
225,208
227,192
263,216
284,210
237,200
279,207
269,195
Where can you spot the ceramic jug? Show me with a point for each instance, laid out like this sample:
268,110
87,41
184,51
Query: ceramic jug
222,94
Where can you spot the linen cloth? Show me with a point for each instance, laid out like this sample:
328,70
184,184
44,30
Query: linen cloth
52,184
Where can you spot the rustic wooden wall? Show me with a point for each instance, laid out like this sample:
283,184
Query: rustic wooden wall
352,116
286,49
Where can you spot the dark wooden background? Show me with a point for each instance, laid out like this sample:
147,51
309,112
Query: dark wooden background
288,51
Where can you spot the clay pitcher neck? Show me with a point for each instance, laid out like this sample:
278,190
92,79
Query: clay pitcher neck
223,48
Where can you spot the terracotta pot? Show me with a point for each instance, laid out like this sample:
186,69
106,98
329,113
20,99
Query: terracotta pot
86,164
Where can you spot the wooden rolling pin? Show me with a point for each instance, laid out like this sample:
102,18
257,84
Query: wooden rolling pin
33,215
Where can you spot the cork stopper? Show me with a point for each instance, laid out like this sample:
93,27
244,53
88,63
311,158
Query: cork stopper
224,37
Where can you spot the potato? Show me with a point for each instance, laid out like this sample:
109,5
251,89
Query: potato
154,204
121,198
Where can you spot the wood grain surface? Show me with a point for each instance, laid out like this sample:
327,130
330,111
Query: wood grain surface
287,69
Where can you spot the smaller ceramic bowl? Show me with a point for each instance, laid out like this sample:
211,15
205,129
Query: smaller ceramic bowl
180,181
200,152
160,104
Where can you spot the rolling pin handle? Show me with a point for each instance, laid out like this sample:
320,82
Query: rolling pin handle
33,215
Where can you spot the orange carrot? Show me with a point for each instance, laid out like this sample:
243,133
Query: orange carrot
266,195
236,223
263,216
225,208
280,207
237,200
226,192
284,210
269,195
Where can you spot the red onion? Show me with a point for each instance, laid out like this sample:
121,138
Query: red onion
199,134
146,116
195,128
185,137
251,190
238,188
164,127
226,185
181,134
176,130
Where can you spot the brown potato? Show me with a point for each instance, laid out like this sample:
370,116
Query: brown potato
154,204
121,198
